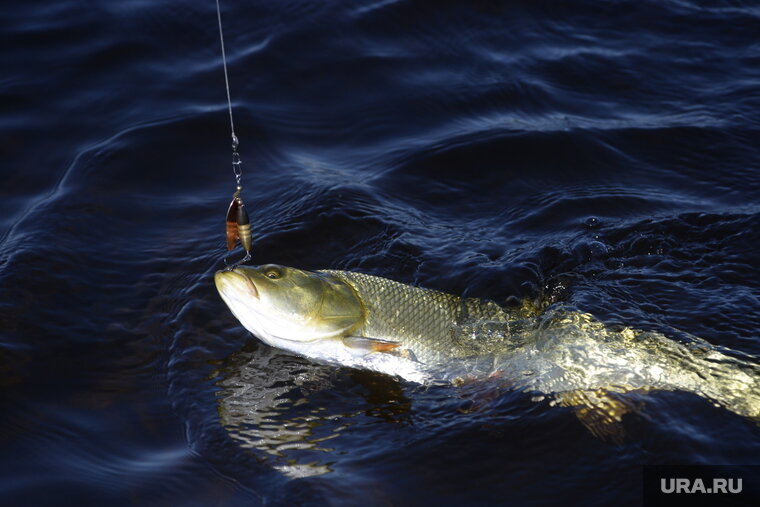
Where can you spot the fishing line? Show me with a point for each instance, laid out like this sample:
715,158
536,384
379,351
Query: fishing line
238,225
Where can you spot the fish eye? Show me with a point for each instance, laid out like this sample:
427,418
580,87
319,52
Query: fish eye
273,273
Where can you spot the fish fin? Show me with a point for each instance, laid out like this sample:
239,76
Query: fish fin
601,413
367,345
370,344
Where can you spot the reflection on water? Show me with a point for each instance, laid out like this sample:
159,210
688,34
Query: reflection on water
279,404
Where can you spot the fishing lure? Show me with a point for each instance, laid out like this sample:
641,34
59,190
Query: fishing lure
238,225
232,228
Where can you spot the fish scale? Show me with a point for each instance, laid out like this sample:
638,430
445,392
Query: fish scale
430,323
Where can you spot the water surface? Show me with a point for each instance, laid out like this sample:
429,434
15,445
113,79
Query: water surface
604,153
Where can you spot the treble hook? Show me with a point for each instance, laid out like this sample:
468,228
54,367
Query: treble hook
230,267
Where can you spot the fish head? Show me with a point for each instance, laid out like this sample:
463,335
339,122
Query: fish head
284,306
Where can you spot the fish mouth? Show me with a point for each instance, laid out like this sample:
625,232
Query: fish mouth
238,280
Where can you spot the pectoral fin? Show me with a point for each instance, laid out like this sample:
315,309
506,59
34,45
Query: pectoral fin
365,345
362,343
598,411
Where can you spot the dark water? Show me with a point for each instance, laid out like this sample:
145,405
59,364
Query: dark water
607,153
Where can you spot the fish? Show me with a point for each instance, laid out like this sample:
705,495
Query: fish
363,321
